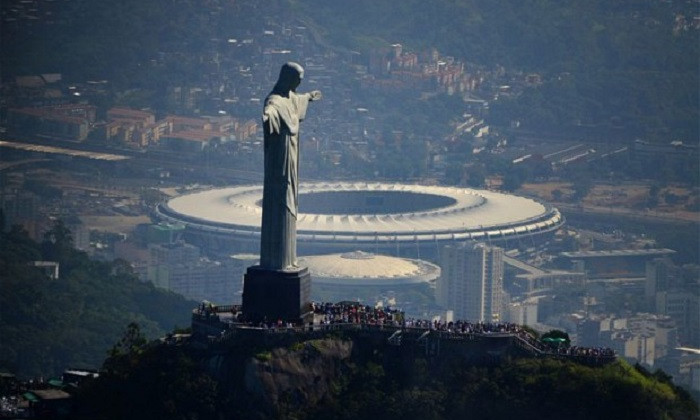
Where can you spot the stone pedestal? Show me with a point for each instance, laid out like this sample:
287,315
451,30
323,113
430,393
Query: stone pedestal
271,294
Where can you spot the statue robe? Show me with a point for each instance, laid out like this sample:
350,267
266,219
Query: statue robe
281,117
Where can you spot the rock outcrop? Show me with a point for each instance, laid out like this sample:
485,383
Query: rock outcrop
301,375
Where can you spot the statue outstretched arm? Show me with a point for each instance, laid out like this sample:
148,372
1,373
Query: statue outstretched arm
315,95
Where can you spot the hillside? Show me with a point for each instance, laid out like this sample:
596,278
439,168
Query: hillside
345,378
627,65
627,61
49,325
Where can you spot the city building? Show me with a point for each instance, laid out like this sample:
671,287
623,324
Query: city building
522,312
164,233
644,337
634,347
50,268
132,127
524,279
141,118
682,306
658,272
471,284
615,263
192,140
68,122
139,129
180,268
392,68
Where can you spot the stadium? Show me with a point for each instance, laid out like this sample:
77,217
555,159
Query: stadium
382,218
369,278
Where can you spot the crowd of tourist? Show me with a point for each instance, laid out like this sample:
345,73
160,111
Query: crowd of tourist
206,308
464,327
354,314
585,351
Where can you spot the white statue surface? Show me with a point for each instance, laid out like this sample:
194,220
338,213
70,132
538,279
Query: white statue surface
284,110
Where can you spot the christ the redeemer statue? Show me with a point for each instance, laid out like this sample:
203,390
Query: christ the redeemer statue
284,109
278,289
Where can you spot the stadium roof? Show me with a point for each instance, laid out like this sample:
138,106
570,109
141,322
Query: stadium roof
362,268
423,213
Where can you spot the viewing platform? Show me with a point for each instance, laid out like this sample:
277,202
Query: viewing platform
224,326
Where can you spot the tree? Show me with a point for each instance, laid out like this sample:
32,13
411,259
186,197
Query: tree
125,352
151,196
58,245
132,340
556,338
453,173
512,180
557,194
653,199
59,235
582,186
48,325
476,177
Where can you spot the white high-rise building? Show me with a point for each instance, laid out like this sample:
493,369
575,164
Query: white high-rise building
180,268
658,272
471,284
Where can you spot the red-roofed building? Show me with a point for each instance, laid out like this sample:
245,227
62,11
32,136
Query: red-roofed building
192,140
132,127
51,121
245,129
87,112
143,118
187,123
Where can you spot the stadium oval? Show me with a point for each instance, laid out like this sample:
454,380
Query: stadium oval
395,219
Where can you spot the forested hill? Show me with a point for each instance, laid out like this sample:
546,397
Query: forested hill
633,62
103,39
532,35
345,378
49,325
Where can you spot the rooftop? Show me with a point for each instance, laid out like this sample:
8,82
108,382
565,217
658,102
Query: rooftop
48,394
360,211
619,253
60,150
362,268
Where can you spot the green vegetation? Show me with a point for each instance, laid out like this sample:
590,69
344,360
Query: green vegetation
50,325
264,356
141,381
89,40
169,382
528,389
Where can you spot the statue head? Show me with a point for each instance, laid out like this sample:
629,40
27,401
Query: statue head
291,75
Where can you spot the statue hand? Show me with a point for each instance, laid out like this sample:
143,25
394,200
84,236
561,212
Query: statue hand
315,95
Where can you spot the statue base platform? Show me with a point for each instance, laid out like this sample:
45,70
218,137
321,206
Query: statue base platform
270,295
